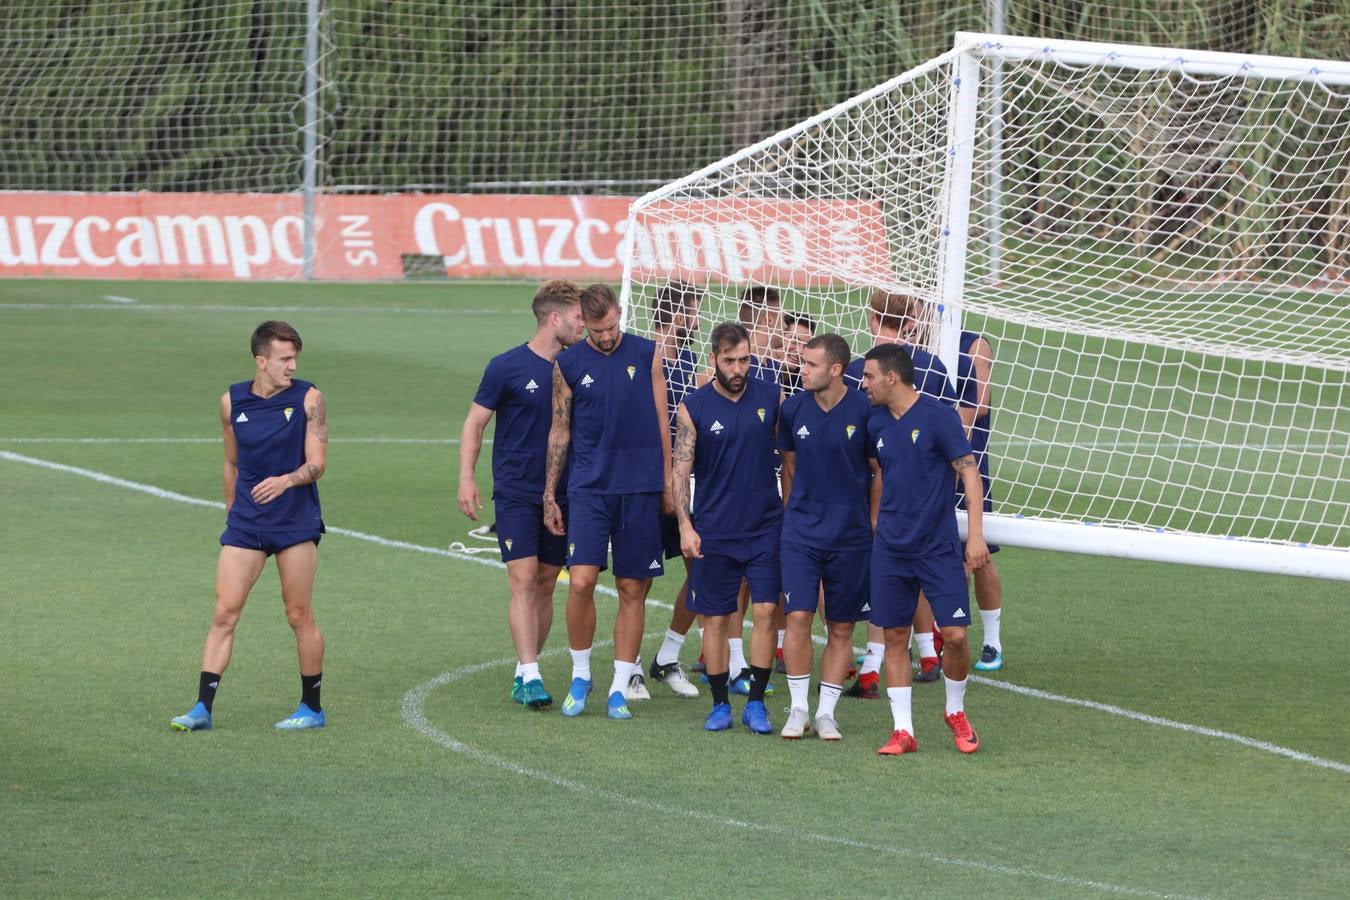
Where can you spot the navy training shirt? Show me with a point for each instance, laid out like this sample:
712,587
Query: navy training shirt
828,507
735,488
270,433
617,444
915,453
930,375
518,387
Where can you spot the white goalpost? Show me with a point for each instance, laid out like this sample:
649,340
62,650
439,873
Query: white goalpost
1154,241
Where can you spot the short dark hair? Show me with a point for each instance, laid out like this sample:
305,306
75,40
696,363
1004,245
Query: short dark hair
673,298
894,358
727,335
596,301
270,331
755,299
553,296
836,348
806,322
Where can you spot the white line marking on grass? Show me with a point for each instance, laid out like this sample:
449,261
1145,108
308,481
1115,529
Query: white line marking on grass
216,307
414,716
116,299
163,494
216,440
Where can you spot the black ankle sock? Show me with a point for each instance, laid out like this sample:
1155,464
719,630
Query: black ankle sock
718,685
309,691
207,683
759,680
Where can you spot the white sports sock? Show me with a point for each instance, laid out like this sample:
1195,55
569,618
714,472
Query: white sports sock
581,663
990,619
799,687
529,672
518,666
925,642
829,696
738,663
622,672
899,697
782,633
670,648
876,653
956,695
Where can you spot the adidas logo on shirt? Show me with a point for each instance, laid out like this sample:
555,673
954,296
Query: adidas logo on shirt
881,442
587,380
715,427
654,566
959,614
242,418
803,432
531,387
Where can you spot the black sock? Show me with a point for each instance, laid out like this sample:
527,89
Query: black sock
759,680
718,685
309,691
207,683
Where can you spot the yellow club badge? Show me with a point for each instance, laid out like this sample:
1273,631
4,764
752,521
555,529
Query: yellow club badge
760,412
914,436
508,542
571,548
631,370
848,430
287,412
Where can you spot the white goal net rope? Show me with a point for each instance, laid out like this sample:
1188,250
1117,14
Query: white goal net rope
1155,243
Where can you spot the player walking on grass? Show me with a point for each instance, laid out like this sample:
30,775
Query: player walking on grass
518,384
275,429
609,408
827,532
915,442
724,437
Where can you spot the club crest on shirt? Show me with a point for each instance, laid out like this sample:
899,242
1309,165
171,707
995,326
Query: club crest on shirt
287,412
631,370
914,436
760,412
849,429
508,542
571,549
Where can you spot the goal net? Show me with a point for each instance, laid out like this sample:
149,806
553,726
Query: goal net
1154,242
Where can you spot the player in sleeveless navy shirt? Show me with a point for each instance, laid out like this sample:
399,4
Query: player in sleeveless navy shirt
725,439
973,370
827,529
518,386
761,312
915,443
275,429
609,409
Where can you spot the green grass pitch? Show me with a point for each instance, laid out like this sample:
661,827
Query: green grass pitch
1157,730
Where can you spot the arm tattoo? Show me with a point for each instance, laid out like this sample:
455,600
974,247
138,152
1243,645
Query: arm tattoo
964,462
685,438
318,420
562,401
559,434
306,474
685,441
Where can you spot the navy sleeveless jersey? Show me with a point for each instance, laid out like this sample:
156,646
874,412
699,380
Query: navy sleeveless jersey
617,445
915,453
270,433
828,506
518,386
930,374
735,489
680,373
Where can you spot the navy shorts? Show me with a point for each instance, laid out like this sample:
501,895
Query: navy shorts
896,582
670,537
521,533
846,575
269,542
715,580
629,523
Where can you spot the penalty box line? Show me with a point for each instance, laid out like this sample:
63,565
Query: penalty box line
1033,693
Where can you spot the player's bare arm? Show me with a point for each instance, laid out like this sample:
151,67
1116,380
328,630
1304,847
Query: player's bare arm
682,466
874,496
316,453
470,445
977,551
787,469
559,437
230,470
659,395
982,356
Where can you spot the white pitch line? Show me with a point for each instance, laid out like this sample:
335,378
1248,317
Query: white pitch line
414,716
116,299
1239,739
188,307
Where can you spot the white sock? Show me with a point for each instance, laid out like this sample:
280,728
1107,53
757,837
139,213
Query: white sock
529,672
829,696
925,642
738,663
799,687
581,663
899,697
956,695
518,665
622,672
782,633
876,653
990,619
670,648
